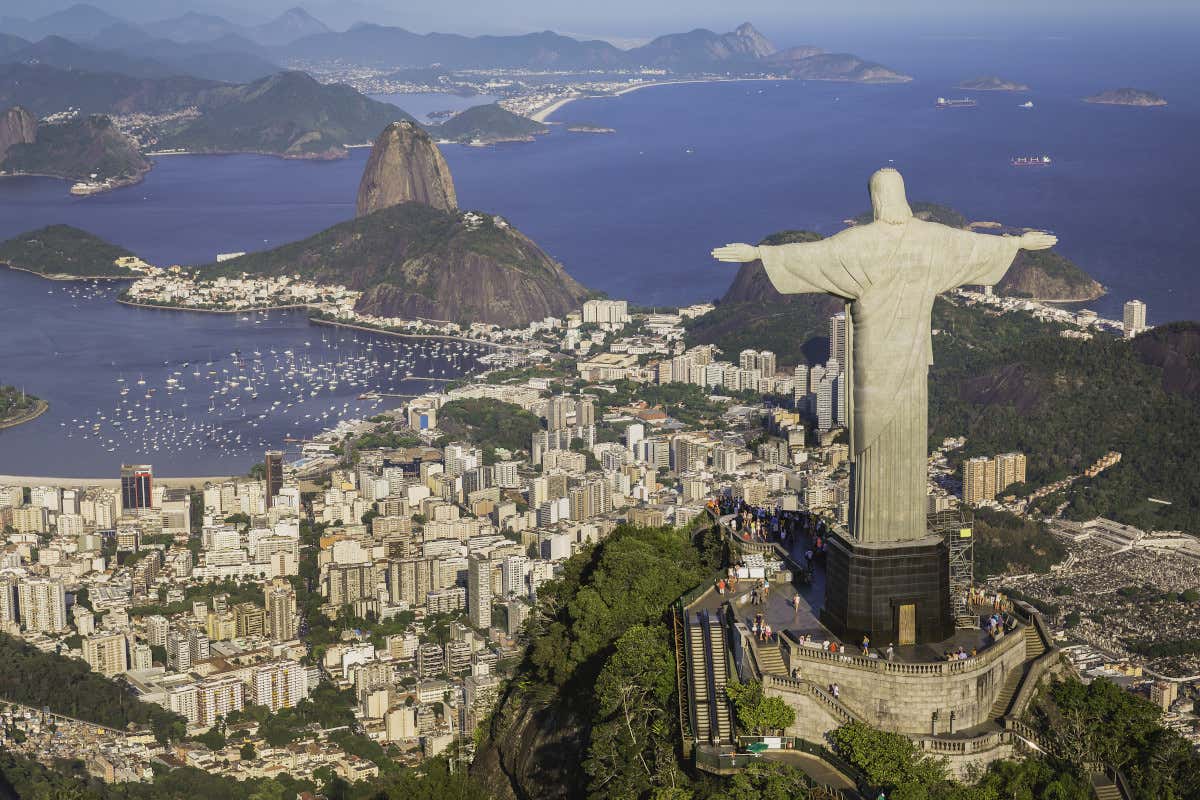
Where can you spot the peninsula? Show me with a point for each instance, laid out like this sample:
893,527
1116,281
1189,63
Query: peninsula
62,252
992,83
488,124
1127,97
17,407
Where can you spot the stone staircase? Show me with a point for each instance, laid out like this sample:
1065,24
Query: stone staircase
1004,698
1034,647
770,660
1103,788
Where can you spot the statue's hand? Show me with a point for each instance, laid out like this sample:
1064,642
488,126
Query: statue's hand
736,253
1038,240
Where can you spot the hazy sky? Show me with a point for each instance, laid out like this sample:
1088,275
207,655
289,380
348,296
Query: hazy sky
639,18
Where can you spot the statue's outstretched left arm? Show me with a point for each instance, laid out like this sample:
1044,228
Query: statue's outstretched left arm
983,258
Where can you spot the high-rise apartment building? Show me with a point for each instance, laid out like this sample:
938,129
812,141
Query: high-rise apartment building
137,483
837,338
1135,318
479,591
280,601
43,604
273,462
106,653
282,684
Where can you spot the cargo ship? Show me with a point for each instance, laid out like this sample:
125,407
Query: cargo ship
1031,161
965,102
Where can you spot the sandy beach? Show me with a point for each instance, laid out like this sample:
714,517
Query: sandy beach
543,114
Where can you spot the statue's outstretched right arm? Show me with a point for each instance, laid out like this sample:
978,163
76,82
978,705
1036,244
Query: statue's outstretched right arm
798,268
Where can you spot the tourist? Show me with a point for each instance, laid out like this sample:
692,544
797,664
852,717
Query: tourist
866,645
891,652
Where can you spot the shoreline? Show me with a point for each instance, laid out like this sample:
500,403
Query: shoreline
122,183
255,310
41,408
68,482
383,332
543,114
320,321
66,277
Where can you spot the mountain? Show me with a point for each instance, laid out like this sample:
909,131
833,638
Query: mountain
487,124
288,114
132,51
63,250
416,261
17,126
229,59
46,90
740,51
1127,97
57,51
1047,275
841,67
992,83
396,47
194,27
405,166
702,50
293,24
79,22
87,148
11,45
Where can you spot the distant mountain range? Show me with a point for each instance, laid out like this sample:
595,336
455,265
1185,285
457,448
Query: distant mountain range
741,51
208,46
87,23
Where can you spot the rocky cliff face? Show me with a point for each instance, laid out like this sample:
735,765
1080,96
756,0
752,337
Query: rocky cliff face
17,126
405,167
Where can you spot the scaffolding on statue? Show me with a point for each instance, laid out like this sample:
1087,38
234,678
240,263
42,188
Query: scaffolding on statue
956,526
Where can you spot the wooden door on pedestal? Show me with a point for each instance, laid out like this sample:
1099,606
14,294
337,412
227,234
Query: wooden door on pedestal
908,624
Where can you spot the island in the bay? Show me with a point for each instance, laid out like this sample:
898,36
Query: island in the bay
1127,97
992,83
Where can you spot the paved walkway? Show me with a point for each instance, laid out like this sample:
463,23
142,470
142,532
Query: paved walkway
820,771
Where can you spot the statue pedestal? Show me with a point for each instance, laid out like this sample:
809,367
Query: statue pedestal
895,592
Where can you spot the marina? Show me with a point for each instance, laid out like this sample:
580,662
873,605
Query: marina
200,393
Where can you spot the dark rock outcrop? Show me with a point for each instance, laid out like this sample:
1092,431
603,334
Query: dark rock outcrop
405,167
17,126
1176,349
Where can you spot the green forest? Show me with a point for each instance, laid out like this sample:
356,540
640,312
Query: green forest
65,686
64,250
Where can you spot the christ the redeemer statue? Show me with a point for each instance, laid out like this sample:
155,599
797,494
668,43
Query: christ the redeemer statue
889,272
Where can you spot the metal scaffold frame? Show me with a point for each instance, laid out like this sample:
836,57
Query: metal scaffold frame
957,527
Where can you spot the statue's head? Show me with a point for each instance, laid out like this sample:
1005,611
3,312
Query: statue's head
888,199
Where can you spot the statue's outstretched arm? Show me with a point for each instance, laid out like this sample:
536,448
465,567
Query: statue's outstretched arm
798,268
983,258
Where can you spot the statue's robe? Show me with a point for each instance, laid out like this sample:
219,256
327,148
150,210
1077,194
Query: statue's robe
889,274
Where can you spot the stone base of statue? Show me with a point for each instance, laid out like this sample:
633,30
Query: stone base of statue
895,592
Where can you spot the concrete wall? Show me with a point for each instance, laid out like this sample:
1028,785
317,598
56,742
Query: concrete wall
903,697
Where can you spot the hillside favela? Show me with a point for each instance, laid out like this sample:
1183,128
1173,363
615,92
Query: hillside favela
622,401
